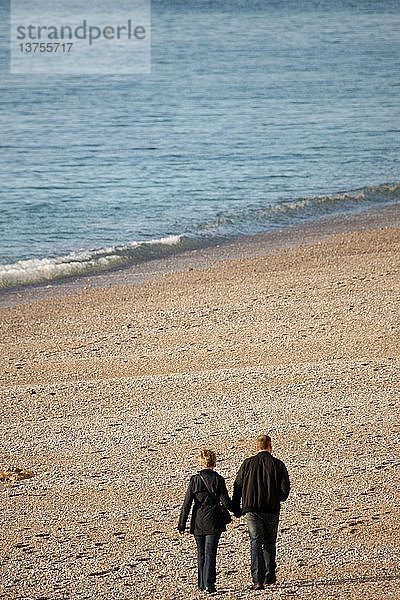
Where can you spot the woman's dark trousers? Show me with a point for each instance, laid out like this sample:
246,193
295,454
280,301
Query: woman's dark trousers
206,559
263,529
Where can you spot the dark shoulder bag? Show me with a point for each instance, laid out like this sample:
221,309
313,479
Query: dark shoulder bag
224,512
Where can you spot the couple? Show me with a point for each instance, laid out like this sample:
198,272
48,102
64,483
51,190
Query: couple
261,484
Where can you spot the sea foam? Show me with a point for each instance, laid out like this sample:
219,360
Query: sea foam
35,271
223,226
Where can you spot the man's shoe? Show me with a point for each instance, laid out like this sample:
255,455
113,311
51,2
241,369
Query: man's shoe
270,580
210,590
258,586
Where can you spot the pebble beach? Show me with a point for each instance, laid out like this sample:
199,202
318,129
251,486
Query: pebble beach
107,394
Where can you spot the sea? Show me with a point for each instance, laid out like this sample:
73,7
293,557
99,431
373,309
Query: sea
257,115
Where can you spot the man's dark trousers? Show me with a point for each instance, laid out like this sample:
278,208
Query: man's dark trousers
207,546
263,530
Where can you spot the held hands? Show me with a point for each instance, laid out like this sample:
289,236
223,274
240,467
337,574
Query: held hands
237,514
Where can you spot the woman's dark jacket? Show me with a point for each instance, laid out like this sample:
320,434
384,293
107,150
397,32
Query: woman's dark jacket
206,516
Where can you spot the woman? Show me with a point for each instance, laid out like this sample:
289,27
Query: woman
206,489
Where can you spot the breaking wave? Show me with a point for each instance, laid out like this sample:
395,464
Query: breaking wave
223,226
35,271
289,212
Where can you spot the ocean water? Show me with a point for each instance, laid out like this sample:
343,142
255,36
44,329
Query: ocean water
256,115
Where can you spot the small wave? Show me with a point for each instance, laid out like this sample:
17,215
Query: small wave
289,212
36,271
225,225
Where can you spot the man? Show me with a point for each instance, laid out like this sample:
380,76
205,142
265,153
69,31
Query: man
261,484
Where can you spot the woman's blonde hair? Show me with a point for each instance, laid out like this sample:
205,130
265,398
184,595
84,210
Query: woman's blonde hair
208,458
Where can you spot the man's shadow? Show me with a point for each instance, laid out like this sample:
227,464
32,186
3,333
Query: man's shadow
343,581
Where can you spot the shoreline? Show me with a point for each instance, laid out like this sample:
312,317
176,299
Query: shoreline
241,247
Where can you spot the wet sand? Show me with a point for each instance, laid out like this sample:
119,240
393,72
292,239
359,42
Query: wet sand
108,392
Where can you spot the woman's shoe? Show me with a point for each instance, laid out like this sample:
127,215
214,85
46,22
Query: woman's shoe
258,586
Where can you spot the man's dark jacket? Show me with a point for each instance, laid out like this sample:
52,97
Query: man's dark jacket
262,483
